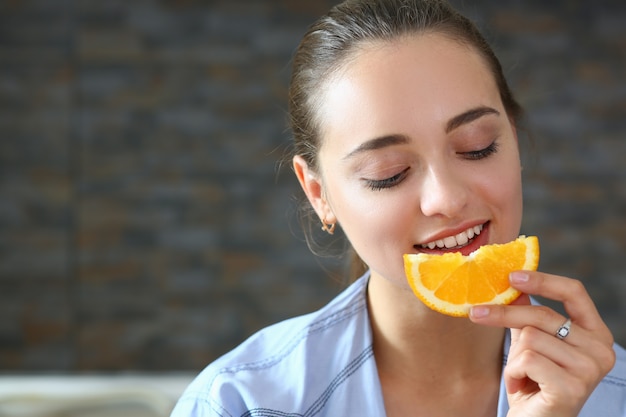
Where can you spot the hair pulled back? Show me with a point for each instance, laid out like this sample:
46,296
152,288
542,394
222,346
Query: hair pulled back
331,40
334,38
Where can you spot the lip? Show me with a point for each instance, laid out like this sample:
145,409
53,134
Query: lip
473,245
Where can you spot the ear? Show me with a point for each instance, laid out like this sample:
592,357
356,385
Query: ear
313,189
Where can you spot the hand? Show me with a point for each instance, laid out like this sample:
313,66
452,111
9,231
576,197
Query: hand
546,376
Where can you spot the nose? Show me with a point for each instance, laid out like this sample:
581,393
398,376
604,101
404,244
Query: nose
443,193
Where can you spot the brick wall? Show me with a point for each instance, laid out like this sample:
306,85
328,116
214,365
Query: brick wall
143,222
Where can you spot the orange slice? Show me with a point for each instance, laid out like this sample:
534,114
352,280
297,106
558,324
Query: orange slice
451,283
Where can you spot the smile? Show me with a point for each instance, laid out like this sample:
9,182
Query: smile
458,240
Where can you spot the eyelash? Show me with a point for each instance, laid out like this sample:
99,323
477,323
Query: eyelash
378,185
481,153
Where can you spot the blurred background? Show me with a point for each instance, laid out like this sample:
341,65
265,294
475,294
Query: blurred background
145,224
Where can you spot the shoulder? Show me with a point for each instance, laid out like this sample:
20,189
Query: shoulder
251,375
609,398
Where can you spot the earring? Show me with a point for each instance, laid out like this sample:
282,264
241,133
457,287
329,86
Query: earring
328,228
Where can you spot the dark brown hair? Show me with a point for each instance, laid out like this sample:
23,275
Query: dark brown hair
330,41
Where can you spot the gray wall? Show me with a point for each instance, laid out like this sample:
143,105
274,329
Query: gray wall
143,222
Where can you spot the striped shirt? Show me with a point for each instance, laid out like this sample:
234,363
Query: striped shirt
322,364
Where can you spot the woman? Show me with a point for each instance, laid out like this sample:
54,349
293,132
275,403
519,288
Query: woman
405,136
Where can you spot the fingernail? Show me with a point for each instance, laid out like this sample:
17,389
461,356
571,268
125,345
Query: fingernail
518,277
480,311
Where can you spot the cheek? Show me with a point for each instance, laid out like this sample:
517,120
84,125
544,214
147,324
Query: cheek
356,210
370,218
505,170
505,191
505,186
377,228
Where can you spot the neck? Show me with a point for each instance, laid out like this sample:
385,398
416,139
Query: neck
415,343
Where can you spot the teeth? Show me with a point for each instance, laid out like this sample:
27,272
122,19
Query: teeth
460,239
450,242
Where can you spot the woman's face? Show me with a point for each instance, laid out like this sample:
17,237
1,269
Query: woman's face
417,155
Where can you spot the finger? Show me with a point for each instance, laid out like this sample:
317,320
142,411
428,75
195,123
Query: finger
518,316
576,301
594,354
530,373
543,318
578,362
531,365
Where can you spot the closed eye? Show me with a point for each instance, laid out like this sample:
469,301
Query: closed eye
386,183
481,153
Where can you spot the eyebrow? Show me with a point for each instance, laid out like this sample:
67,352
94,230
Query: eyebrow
398,139
378,143
469,116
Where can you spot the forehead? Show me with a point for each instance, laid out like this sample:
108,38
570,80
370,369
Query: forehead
419,81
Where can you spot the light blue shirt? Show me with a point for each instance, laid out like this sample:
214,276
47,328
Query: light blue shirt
322,364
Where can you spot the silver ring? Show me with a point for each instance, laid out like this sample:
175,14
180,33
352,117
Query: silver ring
564,329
